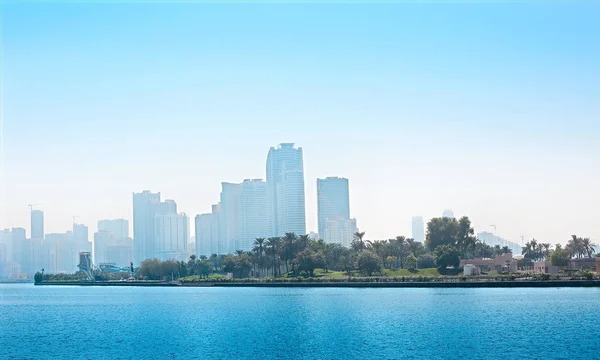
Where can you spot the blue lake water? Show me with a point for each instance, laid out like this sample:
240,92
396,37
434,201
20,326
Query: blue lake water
293,323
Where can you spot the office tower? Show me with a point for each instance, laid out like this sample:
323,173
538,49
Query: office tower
215,230
102,240
20,251
120,254
339,231
285,190
253,214
6,241
167,207
147,205
59,253
448,214
332,200
37,224
230,216
81,239
172,234
119,228
203,224
492,240
418,229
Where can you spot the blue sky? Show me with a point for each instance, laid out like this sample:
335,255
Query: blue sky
490,109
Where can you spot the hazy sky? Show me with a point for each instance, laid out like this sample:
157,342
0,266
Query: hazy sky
491,110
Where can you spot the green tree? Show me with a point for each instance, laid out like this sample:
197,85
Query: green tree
308,260
411,262
358,244
425,261
441,231
446,255
368,263
559,257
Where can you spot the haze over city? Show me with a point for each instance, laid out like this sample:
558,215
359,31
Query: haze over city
398,102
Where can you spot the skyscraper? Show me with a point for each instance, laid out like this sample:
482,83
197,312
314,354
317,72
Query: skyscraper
203,234
448,214
81,239
332,201
215,230
253,213
172,234
230,216
285,190
418,229
339,231
37,224
144,208
119,228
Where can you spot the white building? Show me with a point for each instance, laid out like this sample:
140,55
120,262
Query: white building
147,205
418,229
217,245
230,216
448,214
333,200
285,190
119,228
203,234
493,240
253,214
37,224
171,236
340,231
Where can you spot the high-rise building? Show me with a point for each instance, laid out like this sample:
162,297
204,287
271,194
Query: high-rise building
37,224
285,190
59,253
120,254
146,206
339,231
333,200
253,214
172,234
102,240
119,228
144,209
448,214
492,240
216,243
418,229
81,239
230,216
203,225
20,248
6,241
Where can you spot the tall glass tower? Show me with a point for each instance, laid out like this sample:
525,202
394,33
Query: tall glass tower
333,201
285,190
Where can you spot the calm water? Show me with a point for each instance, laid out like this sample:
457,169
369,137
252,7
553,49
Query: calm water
279,323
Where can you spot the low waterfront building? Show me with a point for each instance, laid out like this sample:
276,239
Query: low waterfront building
583,264
545,267
500,263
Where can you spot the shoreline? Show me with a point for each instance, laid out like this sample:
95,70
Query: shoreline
415,284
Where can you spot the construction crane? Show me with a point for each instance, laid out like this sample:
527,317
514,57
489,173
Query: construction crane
31,206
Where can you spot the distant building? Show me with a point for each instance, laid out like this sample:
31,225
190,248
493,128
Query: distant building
448,214
582,264
21,249
203,225
217,245
59,253
146,206
418,229
253,214
492,240
545,267
81,239
340,231
230,216
102,240
313,235
172,234
333,200
120,254
119,228
285,186
500,263
37,224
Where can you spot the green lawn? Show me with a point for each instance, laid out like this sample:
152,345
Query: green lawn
404,272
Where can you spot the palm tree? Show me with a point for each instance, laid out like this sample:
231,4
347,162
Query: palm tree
358,244
378,248
258,245
587,247
239,252
274,245
546,250
400,250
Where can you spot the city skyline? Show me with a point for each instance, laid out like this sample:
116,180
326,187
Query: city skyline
390,96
